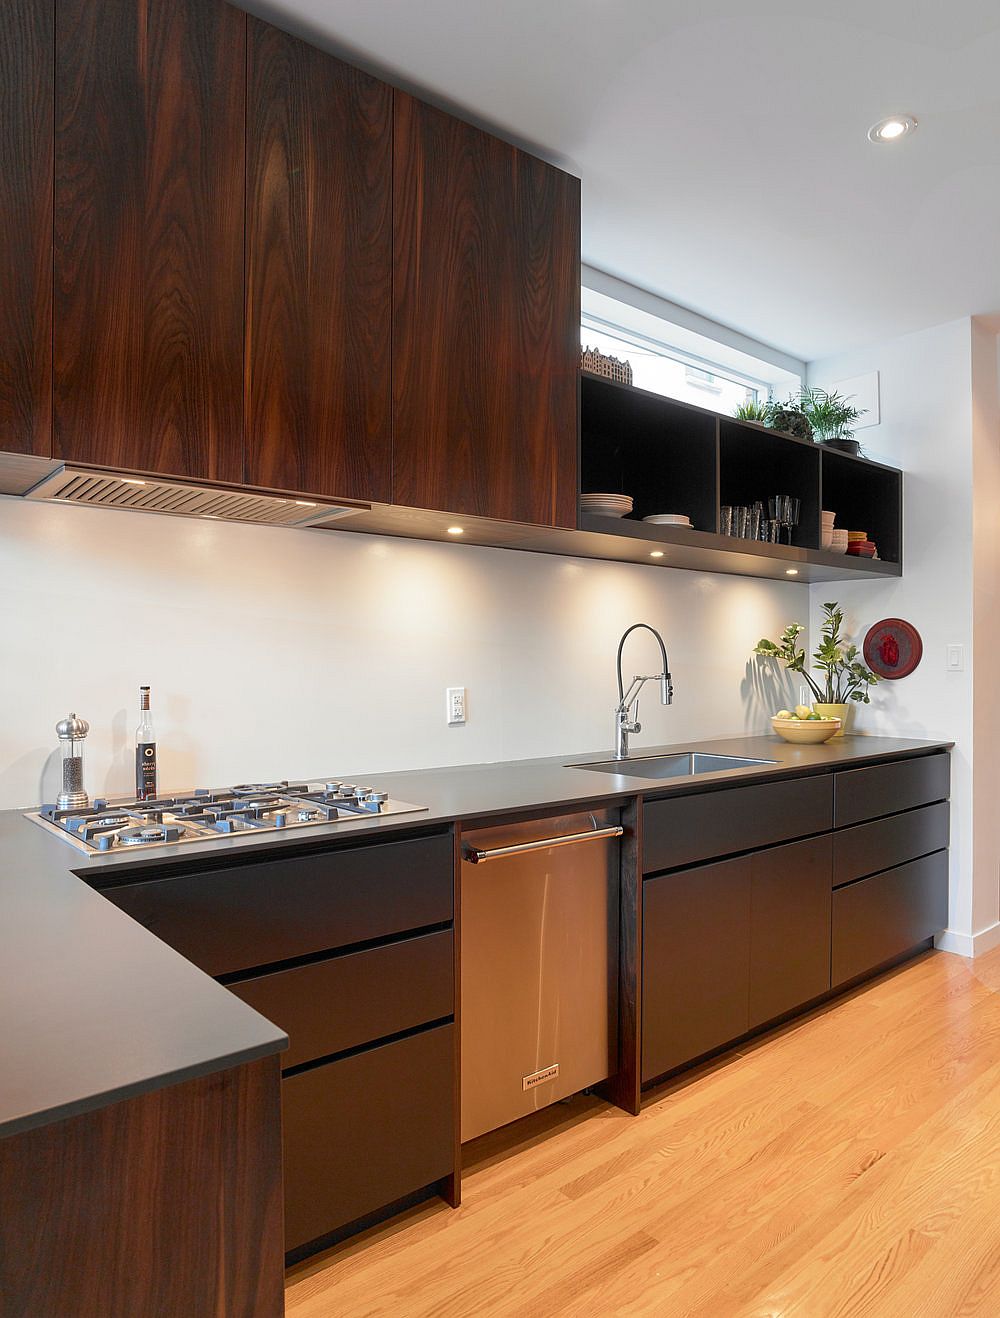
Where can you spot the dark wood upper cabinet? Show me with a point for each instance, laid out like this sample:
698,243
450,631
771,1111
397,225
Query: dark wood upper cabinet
149,227
319,270
486,324
26,55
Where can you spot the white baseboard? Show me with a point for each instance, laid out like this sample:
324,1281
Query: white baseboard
970,945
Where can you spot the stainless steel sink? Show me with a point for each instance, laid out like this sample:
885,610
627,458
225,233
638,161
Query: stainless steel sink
685,764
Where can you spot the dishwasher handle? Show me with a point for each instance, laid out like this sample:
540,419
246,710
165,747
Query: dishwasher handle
477,857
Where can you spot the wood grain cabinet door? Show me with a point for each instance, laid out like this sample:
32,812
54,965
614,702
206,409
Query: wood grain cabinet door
149,218
486,324
26,54
319,269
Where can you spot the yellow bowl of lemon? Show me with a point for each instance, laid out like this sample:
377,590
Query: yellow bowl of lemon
803,726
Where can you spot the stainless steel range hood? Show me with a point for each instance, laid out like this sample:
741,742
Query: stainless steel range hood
100,489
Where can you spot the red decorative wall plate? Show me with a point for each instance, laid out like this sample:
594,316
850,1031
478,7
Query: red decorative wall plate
893,648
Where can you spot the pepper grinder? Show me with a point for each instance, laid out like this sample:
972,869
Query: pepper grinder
71,733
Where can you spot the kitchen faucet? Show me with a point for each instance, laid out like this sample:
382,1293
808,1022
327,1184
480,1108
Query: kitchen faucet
626,718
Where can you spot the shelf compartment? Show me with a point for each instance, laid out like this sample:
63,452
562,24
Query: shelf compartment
866,496
664,454
755,464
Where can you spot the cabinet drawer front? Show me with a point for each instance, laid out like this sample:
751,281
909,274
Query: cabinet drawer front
251,915
692,828
695,963
885,843
366,1131
789,927
884,789
886,915
331,1006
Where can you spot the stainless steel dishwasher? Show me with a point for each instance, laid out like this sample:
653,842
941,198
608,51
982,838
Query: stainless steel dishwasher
539,928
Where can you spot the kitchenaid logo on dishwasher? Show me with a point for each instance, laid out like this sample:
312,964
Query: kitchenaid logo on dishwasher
540,1077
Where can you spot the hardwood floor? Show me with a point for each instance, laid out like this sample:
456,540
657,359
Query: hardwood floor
845,1164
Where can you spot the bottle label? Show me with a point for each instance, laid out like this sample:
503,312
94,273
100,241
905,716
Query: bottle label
145,769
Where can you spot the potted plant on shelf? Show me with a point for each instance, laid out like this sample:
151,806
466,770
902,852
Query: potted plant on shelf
832,417
844,676
790,418
752,410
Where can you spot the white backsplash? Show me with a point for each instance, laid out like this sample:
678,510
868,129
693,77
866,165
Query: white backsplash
273,653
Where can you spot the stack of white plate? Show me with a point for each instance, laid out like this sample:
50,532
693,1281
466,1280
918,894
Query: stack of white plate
668,519
606,505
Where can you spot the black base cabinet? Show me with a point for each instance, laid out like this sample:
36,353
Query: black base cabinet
789,927
742,940
696,962
366,1131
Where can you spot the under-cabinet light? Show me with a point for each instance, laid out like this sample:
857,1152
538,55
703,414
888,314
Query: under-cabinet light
130,480
304,503
791,571
456,530
656,553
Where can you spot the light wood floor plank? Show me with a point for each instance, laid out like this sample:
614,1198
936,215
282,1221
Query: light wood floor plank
845,1164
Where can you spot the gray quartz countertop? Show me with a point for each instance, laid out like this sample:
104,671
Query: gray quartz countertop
94,1008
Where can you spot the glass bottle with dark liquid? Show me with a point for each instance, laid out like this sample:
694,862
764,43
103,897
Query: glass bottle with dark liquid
145,750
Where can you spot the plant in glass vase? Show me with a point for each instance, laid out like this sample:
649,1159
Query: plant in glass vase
843,676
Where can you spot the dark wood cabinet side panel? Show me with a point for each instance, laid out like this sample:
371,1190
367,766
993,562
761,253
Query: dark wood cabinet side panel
319,263
884,843
26,131
789,927
149,224
167,1203
682,830
364,1132
884,916
695,963
884,789
486,297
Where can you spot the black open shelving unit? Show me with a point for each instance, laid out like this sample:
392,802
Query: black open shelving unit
673,457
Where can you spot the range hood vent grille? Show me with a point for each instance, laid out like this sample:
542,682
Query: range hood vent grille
99,490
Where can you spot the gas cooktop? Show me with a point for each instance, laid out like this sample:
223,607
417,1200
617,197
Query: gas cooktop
204,815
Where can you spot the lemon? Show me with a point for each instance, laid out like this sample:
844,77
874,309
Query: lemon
784,713
802,711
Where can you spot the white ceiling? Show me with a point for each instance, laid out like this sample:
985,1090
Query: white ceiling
722,145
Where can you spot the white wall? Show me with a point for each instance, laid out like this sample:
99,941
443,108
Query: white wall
274,653
926,429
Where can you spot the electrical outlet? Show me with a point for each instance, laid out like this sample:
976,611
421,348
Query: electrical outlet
956,658
455,705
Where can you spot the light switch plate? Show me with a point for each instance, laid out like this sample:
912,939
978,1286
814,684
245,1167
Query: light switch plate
956,658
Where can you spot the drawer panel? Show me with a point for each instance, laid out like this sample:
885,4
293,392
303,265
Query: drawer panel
366,1131
886,915
686,829
346,1001
251,915
883,789
885,843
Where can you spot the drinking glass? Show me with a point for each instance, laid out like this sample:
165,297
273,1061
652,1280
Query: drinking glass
790,510
726,519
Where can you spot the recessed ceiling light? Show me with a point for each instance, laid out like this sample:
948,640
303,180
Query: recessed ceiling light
456,530
892,129
791,571
656,553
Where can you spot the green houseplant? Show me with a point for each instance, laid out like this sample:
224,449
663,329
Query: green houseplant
832,417
791,419
752,410
843,676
